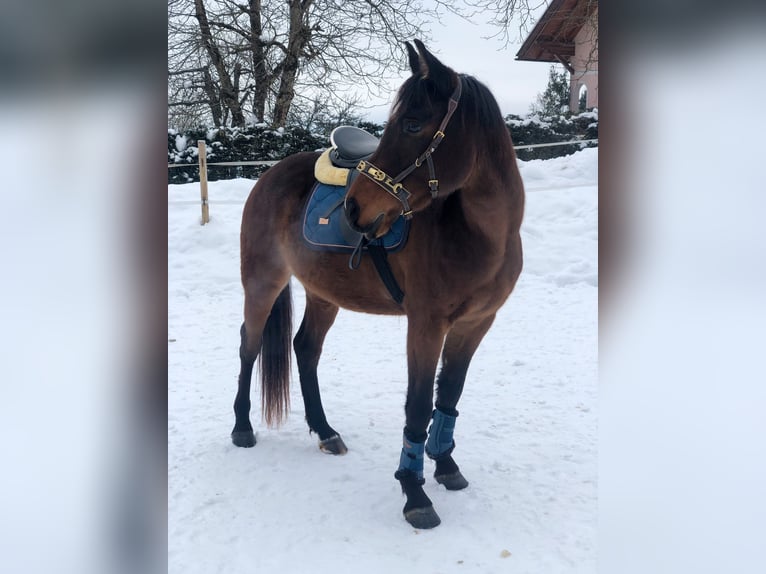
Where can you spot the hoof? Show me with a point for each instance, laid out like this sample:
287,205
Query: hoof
245,438
453,481
333,445
423,518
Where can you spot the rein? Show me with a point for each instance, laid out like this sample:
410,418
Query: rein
393,185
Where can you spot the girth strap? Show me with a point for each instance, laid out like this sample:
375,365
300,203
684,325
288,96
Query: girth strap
380,260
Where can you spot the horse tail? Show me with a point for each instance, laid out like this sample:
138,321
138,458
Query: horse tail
275,360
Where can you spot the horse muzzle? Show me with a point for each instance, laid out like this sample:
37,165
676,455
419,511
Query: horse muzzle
351,211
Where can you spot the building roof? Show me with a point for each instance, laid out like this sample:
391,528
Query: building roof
552,38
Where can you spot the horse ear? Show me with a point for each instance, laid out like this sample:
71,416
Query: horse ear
434,70
414,59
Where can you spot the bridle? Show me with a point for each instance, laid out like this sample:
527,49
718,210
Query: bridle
393,185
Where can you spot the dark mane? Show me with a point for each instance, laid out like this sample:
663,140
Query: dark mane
483,104
481,109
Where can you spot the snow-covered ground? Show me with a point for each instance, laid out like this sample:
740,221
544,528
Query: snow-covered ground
526,435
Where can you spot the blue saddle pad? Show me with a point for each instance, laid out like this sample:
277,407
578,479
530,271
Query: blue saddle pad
322,229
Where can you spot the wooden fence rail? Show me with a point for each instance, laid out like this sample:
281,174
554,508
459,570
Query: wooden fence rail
203,165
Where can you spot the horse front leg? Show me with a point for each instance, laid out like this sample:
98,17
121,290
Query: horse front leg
424,342
459,347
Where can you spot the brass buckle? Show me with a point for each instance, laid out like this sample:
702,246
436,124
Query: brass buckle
377,174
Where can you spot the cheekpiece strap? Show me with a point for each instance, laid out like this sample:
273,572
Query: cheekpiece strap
433,183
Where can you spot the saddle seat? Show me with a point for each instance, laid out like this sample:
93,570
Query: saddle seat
350,145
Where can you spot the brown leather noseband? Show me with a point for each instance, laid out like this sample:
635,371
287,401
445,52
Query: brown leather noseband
393,185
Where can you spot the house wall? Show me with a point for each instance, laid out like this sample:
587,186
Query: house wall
585,64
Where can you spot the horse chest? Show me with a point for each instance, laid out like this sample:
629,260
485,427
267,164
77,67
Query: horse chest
481,300
464,288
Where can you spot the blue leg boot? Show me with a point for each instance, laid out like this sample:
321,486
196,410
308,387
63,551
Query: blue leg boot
439,448
418,510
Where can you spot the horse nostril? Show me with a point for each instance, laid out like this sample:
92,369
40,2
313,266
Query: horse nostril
352,210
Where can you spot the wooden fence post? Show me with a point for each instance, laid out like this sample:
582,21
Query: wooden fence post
203,180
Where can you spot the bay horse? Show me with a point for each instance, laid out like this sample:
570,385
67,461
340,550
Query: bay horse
459,183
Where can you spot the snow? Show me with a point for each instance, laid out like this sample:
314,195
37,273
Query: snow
181,142
529,120
526,435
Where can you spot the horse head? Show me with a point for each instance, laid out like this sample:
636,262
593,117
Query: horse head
422,154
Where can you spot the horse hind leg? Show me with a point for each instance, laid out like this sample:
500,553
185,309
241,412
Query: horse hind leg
242,435
317,320
459,347
267,312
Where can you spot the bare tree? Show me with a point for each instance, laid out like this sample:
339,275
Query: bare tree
511,18
228,76
260,53
323,116
193,87
234,61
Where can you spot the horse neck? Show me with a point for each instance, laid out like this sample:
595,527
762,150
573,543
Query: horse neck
492,201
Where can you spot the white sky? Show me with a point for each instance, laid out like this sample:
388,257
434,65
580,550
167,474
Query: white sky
463,46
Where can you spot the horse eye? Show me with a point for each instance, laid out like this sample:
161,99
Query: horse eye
411,126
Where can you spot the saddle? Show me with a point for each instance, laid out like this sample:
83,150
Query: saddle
325,227
350,145
324,224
